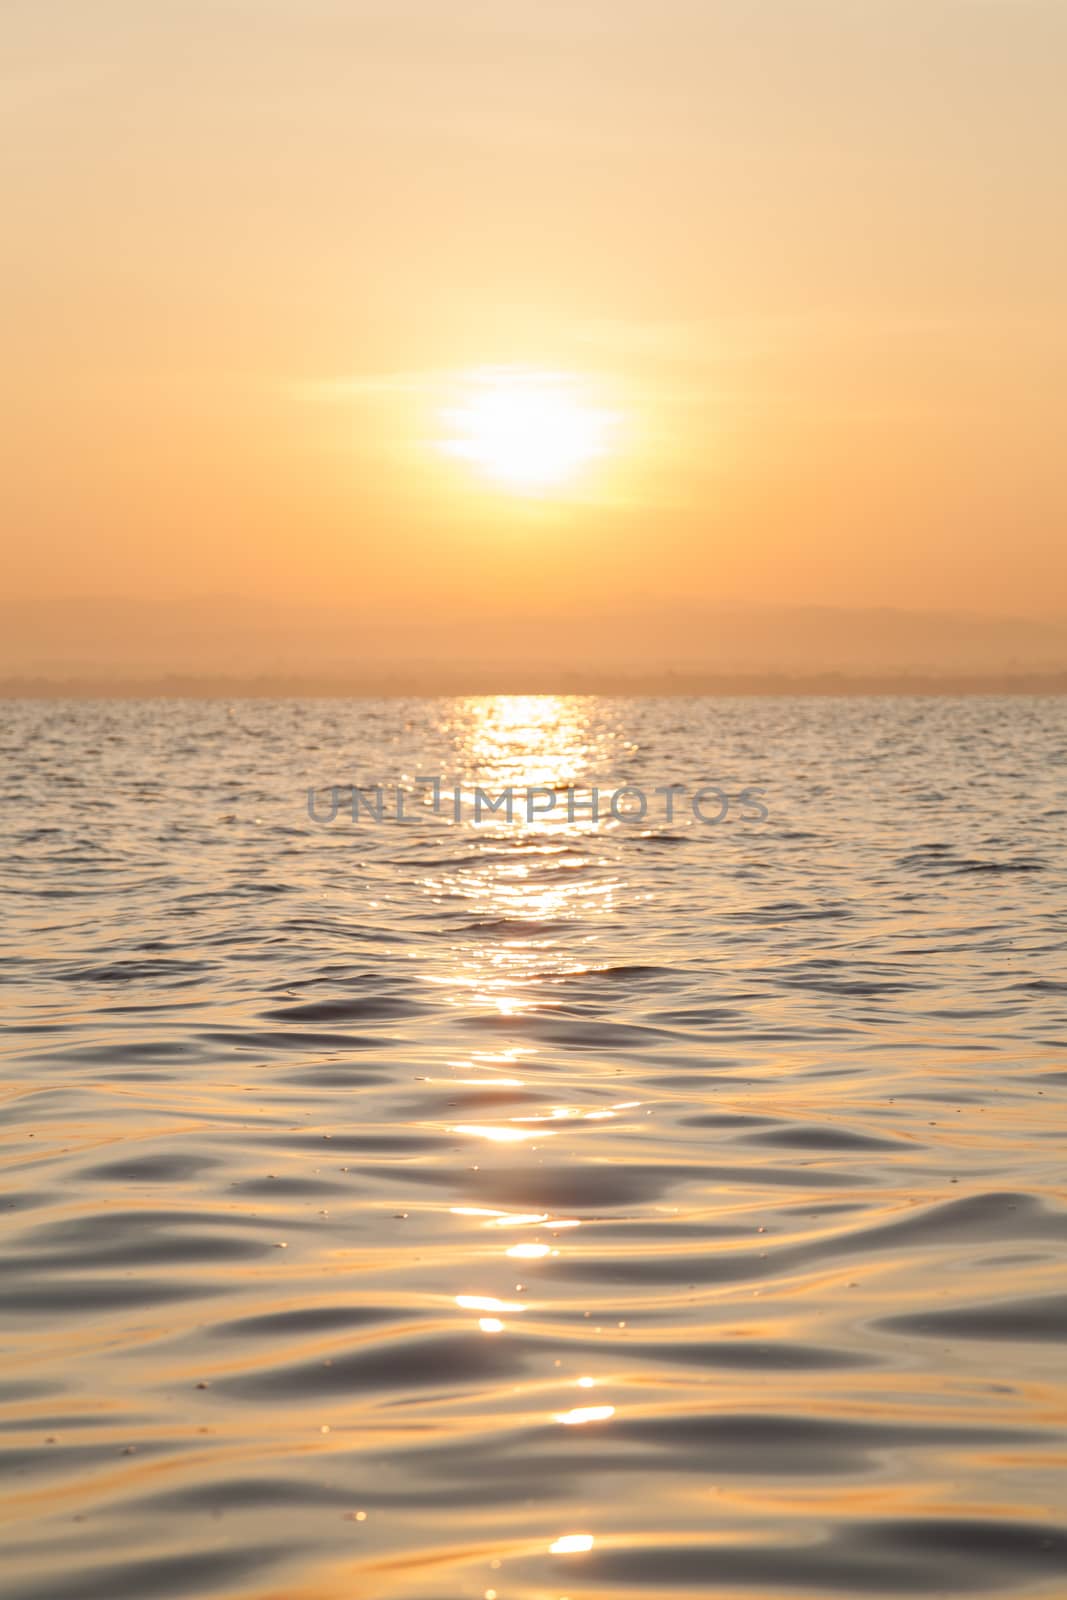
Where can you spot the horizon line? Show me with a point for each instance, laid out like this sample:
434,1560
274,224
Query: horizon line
665,684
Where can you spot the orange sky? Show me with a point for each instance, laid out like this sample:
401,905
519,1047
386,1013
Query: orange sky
813,256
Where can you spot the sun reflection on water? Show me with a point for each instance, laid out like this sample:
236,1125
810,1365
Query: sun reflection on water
516,890
569,1544
516,887
498,1135
544,740
583,1414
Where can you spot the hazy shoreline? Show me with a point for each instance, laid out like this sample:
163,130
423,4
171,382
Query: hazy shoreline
438,685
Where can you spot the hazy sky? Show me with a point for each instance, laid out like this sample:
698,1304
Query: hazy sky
809,255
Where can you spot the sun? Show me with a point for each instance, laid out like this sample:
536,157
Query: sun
528,430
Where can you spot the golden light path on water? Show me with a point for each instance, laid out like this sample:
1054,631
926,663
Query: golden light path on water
540,742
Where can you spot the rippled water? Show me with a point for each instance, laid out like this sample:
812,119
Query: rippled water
431,1211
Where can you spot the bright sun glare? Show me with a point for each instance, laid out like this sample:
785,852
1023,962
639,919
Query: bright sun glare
529,430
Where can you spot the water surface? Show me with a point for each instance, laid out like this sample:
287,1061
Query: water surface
425,1211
